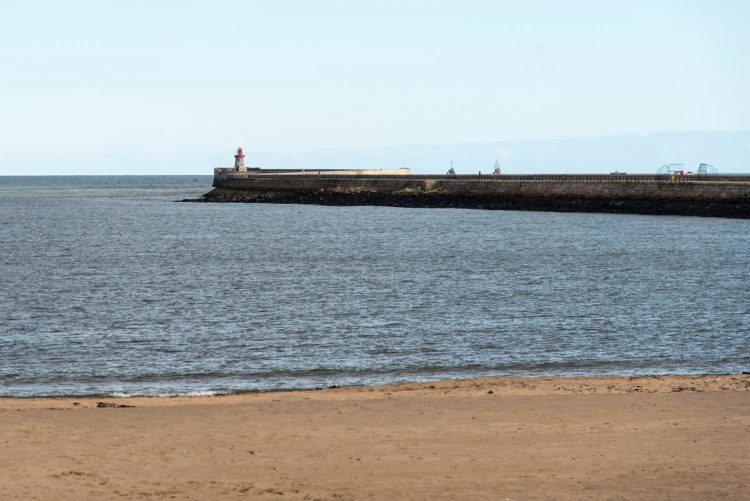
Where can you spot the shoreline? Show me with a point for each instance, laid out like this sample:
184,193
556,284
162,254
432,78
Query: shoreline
600,437
544,385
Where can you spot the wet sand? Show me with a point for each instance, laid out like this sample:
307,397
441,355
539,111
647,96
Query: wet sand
665,437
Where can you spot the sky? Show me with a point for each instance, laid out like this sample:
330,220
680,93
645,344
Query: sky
173,87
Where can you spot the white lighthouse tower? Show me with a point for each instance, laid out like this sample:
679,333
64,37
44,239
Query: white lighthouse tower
239,161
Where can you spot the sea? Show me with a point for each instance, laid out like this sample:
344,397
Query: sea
110,286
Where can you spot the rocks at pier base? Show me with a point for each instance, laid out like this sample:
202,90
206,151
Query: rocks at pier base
421,199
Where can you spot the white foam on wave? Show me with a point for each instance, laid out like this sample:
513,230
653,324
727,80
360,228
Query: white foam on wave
206,393
118,394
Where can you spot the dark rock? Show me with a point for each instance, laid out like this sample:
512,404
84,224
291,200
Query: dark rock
111,404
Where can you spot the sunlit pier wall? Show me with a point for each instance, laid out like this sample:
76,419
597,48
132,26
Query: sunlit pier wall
727,196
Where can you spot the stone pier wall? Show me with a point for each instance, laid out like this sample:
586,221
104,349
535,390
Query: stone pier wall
727,196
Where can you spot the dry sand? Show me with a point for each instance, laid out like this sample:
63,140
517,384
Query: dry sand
668,437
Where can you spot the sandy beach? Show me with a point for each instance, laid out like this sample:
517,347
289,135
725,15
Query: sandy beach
659,437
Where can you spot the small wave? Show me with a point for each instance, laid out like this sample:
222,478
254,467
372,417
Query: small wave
203,393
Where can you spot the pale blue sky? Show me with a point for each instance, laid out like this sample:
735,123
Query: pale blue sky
173,86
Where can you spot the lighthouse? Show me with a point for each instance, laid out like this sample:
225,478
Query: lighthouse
239,161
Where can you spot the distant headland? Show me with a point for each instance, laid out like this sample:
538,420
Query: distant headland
669,193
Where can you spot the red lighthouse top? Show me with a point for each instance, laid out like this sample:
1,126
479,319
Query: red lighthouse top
239,152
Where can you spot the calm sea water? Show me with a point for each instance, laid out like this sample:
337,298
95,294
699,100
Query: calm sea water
107,286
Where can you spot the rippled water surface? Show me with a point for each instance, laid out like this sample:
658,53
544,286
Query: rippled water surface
108,286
